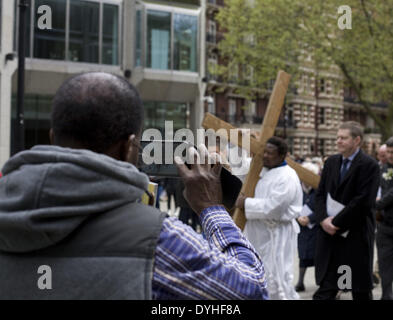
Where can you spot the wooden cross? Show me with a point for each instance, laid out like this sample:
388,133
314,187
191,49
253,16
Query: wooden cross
257,147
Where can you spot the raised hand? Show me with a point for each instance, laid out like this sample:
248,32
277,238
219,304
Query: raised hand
201,181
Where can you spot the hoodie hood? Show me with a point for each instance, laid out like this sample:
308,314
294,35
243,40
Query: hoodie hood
48,191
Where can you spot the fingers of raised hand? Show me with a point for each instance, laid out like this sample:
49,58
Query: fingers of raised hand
204,156
193,158
184,172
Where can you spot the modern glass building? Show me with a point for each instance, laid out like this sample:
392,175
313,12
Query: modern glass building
156,46
167,52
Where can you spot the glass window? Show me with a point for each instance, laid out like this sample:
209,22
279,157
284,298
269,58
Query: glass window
321,116
232,107
84,31
322,85
138,39
37,110
156,113
185,41
211,105
110,37
158,40
50,44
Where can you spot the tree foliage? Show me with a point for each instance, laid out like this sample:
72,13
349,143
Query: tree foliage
294,34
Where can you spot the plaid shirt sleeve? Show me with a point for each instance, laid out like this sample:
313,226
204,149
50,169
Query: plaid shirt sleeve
222,266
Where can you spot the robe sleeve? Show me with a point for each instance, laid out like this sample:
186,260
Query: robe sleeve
275,204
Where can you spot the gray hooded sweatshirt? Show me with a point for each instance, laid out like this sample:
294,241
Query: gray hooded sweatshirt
71,227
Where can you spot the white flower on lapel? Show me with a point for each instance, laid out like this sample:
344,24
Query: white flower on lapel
388,175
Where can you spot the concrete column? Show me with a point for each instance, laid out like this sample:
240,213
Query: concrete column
7,69
129,18
197,110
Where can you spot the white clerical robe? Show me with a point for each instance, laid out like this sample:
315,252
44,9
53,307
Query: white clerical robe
272,228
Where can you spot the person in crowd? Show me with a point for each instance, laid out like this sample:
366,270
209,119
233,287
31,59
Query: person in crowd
186,214
343,208
385,225
170,190
271,218
74,208
382,159
382,155
308,229
319,162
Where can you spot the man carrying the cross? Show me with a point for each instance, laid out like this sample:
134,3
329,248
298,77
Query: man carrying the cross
271,218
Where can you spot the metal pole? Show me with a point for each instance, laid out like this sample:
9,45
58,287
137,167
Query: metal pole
20,124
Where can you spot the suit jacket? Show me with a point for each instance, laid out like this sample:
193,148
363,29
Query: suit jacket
357,191
386,201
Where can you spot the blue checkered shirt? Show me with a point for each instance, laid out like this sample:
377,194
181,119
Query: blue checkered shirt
222,266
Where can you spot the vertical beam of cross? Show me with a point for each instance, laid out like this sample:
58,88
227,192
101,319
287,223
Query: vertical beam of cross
269,124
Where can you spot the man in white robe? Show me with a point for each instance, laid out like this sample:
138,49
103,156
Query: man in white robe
271,219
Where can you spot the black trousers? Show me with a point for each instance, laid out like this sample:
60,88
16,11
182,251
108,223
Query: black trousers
385,259
328,289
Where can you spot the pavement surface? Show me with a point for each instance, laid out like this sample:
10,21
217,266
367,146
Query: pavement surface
311,287
309,279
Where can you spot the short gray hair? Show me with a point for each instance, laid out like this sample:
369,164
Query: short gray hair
354,128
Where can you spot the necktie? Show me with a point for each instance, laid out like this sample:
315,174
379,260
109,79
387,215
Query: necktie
344,169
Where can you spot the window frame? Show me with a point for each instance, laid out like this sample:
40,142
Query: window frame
144,7
101,3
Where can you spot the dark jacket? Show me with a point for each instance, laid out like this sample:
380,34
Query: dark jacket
386,202
76,212
357,191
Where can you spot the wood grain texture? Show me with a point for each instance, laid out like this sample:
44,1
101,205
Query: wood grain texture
268,127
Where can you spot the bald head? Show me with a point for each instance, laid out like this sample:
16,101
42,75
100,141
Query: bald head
95,110
382,154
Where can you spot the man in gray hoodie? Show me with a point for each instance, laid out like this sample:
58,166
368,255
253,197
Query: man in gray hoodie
72,225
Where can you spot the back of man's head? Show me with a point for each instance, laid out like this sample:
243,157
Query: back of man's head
95,110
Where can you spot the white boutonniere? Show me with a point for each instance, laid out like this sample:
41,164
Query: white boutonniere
388,175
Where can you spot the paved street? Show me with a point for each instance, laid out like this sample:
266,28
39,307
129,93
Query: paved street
311,287
309,280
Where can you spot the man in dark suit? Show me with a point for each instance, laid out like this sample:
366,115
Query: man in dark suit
385,225
345,241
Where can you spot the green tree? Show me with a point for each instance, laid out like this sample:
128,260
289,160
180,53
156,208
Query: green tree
283,34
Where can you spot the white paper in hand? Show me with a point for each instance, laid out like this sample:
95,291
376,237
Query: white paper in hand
333,207
306,211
